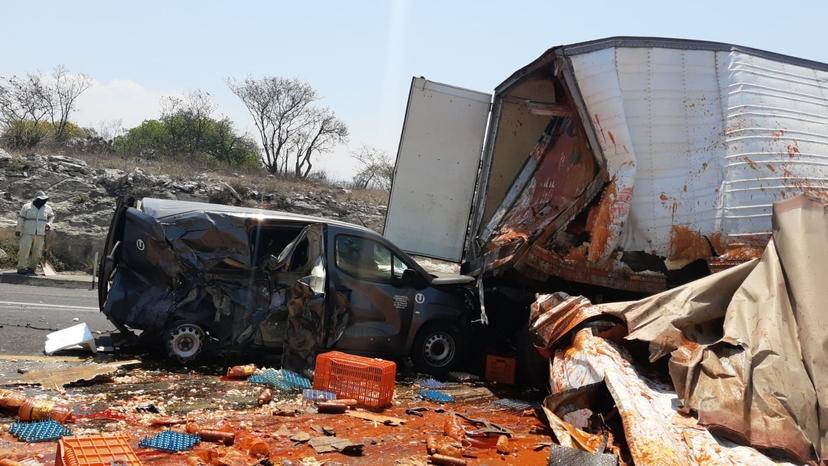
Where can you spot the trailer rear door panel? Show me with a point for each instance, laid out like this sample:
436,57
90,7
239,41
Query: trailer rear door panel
436,169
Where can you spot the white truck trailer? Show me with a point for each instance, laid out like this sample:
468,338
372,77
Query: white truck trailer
623,163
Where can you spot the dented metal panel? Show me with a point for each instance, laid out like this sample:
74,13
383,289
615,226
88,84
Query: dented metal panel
694,142
711,138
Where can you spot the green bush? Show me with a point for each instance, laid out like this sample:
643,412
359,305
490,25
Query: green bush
25,134
179,134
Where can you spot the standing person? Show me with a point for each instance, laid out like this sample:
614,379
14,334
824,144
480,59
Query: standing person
34,221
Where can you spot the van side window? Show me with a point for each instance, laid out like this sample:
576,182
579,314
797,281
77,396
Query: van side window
367,260
299,260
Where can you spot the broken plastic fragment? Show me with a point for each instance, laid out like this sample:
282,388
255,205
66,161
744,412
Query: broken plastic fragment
70,337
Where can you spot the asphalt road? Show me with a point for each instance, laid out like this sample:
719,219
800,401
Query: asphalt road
29,313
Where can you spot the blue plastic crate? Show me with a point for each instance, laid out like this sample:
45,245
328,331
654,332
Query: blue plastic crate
430,383
317,395
436,396
298,381
515,405
170,441
39,431
283,380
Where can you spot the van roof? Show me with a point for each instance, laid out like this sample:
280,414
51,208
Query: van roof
161,208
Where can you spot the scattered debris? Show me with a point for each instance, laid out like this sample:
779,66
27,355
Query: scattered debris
300,437
328,444
71,337
329,407
462,377
318,395
445,460
147,408
265,397
503,446
514,405
241,372
55,379
40,409
567,456
430,383
416,411
378,418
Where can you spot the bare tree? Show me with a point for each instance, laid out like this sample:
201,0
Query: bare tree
24,104
321,133
64,90
290,127
377,168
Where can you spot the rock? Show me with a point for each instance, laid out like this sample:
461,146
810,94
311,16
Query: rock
84,198
4,256
5,158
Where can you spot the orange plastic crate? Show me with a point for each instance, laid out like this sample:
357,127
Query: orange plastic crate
370,381
500,369
95,450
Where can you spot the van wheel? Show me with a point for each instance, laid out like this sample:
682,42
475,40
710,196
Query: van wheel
438,348
184,341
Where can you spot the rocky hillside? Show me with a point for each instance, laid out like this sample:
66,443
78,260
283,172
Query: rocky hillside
83,199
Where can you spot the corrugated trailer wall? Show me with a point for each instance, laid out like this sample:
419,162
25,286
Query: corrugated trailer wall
695,141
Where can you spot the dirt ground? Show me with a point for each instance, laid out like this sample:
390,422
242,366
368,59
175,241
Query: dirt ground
206,399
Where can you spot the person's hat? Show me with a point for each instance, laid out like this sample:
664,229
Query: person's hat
41,195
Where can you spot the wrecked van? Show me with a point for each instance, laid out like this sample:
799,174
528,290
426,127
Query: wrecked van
194,277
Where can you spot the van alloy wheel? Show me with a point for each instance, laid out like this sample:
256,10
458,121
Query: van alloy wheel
185,341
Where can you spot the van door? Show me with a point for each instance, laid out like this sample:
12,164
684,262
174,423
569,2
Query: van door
302,267
436,169
366,279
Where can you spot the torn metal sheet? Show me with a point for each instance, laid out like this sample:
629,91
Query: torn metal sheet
566,456
746,345
655,432
55,379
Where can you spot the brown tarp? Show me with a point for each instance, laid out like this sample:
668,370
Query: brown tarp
747,346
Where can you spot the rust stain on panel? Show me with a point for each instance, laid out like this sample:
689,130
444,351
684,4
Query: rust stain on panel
566,166
686,244
597,222
793,149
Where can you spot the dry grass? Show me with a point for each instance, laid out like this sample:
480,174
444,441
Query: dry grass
184,168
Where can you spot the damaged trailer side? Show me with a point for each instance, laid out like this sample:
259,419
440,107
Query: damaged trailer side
638,163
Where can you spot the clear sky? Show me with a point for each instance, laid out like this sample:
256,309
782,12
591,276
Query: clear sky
359,55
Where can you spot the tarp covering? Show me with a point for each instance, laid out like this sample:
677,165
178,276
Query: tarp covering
747,346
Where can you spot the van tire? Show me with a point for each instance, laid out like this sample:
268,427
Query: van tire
184,341
438,348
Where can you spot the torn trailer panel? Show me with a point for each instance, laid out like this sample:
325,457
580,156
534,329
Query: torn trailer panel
192,276
630,163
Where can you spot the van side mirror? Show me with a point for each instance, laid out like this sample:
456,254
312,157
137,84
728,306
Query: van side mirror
411,278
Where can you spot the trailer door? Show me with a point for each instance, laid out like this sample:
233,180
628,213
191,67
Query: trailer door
436,169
